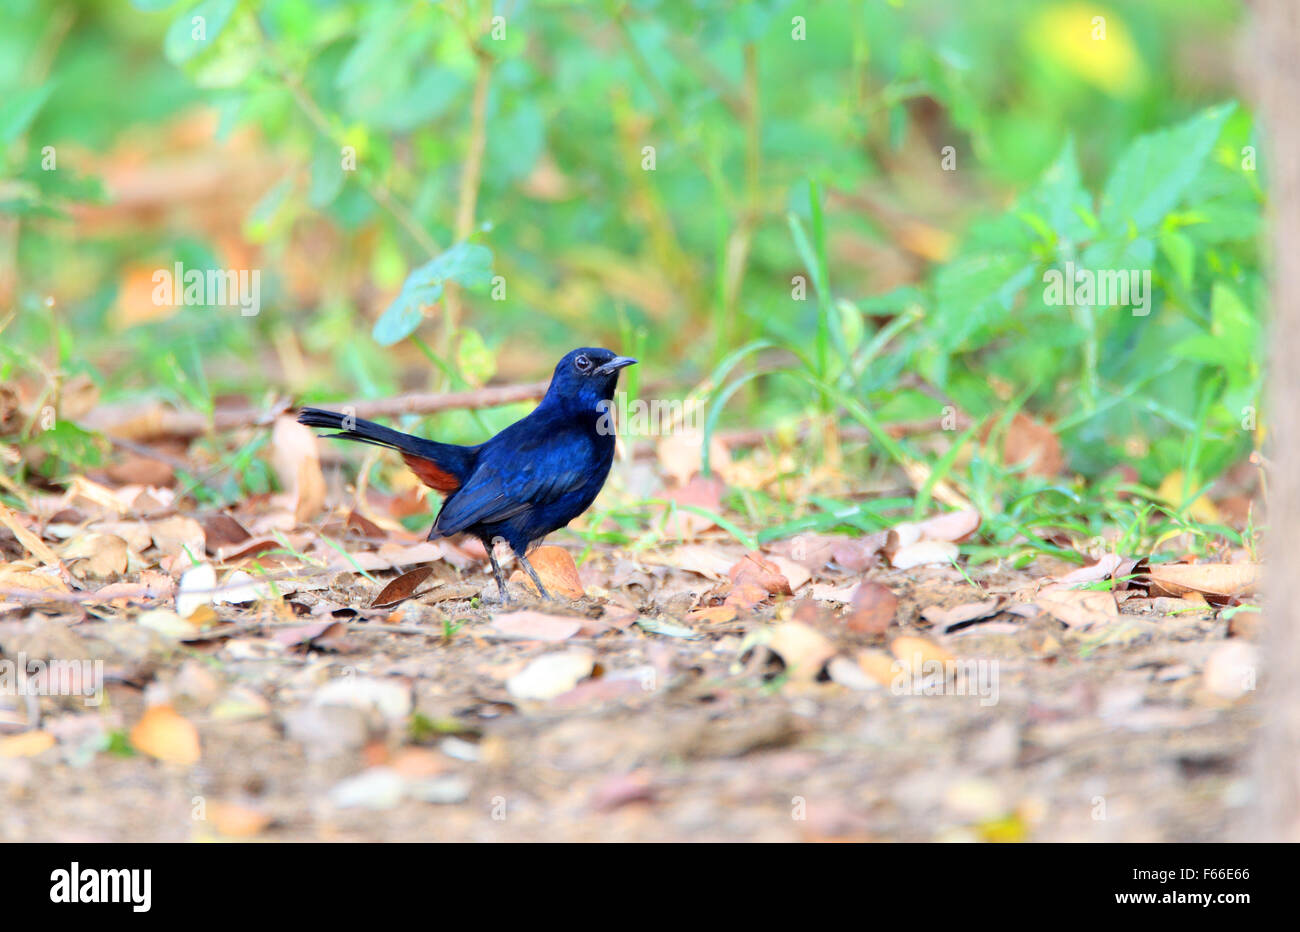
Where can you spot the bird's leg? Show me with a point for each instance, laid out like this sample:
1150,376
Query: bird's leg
496,571
533,573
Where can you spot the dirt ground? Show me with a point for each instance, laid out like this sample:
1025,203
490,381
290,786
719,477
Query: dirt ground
653,720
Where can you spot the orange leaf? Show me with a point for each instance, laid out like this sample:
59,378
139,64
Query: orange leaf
558,572
163,733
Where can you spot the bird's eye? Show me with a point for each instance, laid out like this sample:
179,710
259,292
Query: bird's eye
583,363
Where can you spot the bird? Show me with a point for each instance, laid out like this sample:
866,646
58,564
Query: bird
532,478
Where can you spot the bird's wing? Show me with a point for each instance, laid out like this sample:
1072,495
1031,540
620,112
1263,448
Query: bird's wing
510,480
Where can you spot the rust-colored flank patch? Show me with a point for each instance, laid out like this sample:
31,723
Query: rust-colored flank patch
431,474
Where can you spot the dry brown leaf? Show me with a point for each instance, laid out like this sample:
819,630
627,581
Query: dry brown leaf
700,493
296,459
872,608
717,615
858,556
141,470
924,553
35,546
955,526
1029,441
796,574
163,733
753,568
947,618
913,652
221,530
22,576
235,820
27,744
803,649
99,556
536,626
401,588
696,558
1102,569
680,454
810,551
179,536
1079,608
1218,582
558,572
878,665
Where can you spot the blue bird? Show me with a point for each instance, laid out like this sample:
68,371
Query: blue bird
532,478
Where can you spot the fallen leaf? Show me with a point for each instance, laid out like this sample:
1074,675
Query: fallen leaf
946,619
879,666
35,546
169,623
558,572
401,588
551,675
296,459
221,530
20,576
913,652
717,615
844,671
680,454
197,586
872,608
1028,441
699,492
166,735
1218,582
803,649
98,556
696,558
27,744
955,526
536,626
240,588
178,536
1102,569
924,553
752,567
235,820
1079,608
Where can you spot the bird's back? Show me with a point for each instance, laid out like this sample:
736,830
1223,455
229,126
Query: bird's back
532,478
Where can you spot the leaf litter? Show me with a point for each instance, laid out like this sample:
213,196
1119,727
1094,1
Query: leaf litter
311,670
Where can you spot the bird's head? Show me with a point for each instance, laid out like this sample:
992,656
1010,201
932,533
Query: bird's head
586,377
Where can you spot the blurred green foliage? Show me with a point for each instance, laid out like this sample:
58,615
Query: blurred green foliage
662,177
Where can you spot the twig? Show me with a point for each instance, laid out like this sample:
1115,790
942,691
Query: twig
162,422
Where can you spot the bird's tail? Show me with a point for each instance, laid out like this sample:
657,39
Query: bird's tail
441,466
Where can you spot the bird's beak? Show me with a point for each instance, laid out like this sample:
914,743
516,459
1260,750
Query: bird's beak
618,362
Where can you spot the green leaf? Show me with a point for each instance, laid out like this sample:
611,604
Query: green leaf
326,175
467,264
1181,253
153,6
1060,198
196,29
1155,172
17,113
406,312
